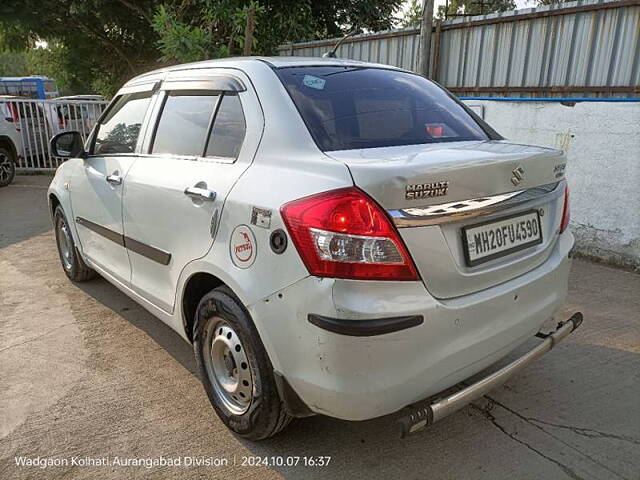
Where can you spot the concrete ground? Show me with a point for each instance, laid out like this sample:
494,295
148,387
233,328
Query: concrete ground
86,372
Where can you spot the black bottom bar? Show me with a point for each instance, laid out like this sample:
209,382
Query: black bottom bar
365,328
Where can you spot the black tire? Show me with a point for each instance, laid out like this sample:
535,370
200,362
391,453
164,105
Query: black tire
7,166
265,416
72,263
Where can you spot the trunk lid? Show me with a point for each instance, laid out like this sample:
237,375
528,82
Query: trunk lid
455,177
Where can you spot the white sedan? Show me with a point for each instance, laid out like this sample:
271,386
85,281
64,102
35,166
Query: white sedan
333,237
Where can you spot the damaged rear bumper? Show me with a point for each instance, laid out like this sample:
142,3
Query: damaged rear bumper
420,418
323,336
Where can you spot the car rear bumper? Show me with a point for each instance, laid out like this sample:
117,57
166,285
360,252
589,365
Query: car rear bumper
419,418
357,377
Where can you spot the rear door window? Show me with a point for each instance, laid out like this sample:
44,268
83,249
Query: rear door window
353,107
184,123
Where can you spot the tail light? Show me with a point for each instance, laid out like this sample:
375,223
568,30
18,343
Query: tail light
345,234
61,120
15,115
566,214
15,118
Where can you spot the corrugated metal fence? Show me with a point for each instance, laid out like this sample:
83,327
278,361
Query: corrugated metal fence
587,48
30,124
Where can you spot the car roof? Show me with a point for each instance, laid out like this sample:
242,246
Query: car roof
274,62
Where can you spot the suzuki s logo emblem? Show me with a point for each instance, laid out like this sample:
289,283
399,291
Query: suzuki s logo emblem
518,175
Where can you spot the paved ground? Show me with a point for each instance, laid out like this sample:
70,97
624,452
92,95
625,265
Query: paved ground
86,372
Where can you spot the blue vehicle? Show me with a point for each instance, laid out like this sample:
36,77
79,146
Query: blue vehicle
36,87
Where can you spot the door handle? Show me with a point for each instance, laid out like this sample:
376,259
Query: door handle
114,179
200,193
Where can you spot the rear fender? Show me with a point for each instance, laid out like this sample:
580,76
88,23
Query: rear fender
8,142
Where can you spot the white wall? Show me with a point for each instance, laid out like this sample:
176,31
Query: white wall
602,141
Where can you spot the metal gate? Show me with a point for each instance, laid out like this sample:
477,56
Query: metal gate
29,125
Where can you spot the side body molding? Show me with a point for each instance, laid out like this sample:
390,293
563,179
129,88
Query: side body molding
140,248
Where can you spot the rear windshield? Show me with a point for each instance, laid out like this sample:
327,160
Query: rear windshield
347,108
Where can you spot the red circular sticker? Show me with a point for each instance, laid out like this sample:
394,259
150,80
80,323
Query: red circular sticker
243,247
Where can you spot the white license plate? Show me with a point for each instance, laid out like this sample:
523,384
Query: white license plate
497,238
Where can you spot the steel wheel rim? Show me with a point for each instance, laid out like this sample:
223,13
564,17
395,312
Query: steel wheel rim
5,167
228,367
64,244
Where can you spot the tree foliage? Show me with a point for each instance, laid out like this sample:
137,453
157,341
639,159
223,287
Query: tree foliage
51,61
541,3
209,30
475,7
12,64
215,28
95,45
413,14
104,41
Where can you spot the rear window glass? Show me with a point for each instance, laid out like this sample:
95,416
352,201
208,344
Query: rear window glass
228,129
348,108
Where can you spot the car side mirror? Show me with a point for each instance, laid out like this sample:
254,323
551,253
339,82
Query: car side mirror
68,145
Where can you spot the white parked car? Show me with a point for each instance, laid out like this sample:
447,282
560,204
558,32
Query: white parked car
10,140
27,122
333,237
77,112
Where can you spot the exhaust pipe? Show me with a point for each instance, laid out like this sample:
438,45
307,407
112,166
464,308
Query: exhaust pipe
420,418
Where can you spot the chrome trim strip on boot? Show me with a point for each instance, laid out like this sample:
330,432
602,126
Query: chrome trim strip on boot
475,207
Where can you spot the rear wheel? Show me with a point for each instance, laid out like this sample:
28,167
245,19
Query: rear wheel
235,369
7,166
72,263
